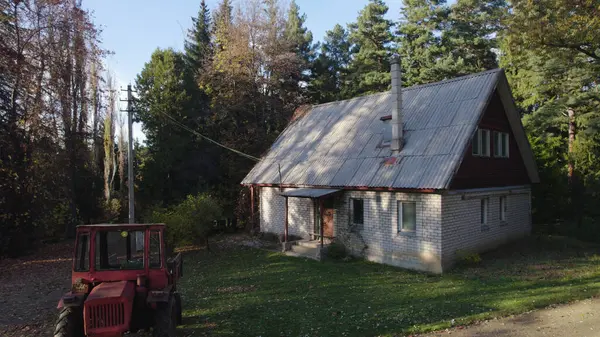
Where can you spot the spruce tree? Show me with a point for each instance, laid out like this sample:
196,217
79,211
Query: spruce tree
372,42
198,45
299,37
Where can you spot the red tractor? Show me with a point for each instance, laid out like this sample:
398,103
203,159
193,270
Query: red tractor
121,281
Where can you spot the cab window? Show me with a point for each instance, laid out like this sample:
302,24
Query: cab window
82,253
155,249
119,250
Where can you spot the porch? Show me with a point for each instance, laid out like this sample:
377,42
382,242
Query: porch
322,231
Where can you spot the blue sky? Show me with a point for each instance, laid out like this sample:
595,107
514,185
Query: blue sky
133,29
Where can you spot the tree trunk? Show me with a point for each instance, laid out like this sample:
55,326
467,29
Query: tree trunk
574,188
572,130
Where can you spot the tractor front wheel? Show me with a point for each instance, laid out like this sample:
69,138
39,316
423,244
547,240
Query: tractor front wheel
165,319
69,323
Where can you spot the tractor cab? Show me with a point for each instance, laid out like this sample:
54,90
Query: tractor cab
122,280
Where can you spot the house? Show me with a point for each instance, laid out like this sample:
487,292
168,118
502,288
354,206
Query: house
412,177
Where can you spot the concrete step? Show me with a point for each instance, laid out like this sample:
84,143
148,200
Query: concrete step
302,251
311,243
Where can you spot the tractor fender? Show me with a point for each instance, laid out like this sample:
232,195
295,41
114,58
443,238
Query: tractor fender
70,300
159,296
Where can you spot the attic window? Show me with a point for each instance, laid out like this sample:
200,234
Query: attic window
501,144
481,143
386,139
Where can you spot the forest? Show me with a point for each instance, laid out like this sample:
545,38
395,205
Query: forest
209,110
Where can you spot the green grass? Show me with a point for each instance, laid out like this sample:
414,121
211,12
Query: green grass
250,292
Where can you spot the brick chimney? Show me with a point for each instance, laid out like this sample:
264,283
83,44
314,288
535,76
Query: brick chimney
397,114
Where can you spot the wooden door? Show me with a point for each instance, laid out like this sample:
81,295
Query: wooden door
328,222
328,205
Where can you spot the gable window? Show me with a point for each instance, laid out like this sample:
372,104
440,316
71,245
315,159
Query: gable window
481,143
407,216
503,208
484,210
358,211
501,144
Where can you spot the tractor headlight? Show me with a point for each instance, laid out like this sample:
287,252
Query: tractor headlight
79,286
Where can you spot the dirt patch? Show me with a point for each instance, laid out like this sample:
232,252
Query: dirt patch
30,288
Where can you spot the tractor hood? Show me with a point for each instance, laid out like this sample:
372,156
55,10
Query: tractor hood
107,309
121,289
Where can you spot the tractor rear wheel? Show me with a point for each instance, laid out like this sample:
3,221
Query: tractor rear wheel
165,319
69,323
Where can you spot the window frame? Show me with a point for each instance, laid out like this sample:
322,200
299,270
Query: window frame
400,221
501,144
81,257
484,209
353,208
481,136
503,207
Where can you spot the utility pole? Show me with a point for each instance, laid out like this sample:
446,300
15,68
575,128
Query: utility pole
130,178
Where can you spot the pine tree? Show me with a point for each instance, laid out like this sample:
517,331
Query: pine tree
372,41
298,35
470,36
198,47
330,69
419,42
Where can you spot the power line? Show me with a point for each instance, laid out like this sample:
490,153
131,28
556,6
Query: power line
174,121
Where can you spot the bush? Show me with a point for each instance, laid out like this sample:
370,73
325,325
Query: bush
336,250
467,258
190,221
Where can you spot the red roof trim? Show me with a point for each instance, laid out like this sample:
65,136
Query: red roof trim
357,188
386,118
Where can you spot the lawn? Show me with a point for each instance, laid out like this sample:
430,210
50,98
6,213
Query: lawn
251,292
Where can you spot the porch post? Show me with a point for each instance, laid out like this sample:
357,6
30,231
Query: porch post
285,233
252,205
321,220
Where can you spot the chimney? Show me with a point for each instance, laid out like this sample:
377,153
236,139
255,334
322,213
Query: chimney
397,114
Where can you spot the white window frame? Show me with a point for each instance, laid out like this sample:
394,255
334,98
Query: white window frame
501,145
484,210
400,223
482,151
503,204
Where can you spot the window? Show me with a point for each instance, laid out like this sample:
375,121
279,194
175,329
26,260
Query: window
82,253
407,216
358,211
481,143
155,260
484,211
501,144
119,250
503,208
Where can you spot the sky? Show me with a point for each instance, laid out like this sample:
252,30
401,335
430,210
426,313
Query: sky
133,29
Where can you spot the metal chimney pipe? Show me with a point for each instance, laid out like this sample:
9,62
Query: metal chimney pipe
397,114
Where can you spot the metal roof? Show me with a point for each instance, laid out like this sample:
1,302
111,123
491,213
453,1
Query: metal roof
309,192
337,144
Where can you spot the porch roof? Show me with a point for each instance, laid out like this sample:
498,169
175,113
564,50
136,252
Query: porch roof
309,192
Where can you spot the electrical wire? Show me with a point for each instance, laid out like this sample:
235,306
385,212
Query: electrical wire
174,121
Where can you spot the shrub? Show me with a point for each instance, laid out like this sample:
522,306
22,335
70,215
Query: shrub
190,221
467,258
336,250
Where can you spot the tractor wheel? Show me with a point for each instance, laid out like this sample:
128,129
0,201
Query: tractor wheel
69,323
165,319
178,308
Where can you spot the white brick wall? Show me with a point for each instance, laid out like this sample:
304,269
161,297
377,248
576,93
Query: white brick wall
272,213
445,223
462,229
420,250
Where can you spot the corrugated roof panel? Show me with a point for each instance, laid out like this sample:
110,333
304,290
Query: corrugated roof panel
365,173
321,172
346,172
338,143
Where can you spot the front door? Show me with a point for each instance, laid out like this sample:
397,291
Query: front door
328,218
